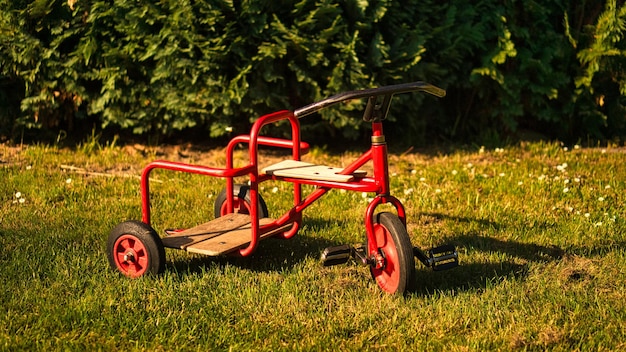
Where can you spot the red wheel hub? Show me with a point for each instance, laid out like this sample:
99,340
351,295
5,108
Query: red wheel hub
131,256
388,276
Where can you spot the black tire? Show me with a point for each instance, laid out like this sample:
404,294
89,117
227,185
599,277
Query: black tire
241,192
398,274
134,249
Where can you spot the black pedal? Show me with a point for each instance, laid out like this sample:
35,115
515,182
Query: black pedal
443,257
336,255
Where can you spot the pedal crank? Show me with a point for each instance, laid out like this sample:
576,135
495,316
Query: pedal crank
439,258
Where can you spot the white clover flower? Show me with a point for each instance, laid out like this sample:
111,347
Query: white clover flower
413,172
598,224
541,178
18,195
29,167
603,151
565,190
565,149
600,199
587,215
576,146
437,191
607,187
22,200
520,183
68,181
454,172
364,195
566,181
228,129
408,191
576,179
275,190
422,179
502,174
482,149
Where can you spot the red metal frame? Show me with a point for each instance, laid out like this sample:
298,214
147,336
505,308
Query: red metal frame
375,112
387,246
378,184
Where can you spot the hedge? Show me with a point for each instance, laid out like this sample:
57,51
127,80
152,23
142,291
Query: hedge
157,67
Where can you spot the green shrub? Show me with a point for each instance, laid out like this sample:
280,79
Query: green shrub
555,69
163,66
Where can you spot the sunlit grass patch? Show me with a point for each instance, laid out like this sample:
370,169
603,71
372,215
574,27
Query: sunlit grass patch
540,231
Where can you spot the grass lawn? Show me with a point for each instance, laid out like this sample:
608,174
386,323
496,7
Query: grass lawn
540,231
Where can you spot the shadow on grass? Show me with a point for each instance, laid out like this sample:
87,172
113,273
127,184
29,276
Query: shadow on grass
515,263
279,255
478,275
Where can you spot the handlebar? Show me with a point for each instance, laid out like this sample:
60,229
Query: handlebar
372,93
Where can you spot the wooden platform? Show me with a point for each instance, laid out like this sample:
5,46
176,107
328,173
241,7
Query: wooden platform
220,236
300,169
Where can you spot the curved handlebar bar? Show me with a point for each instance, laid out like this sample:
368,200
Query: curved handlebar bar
367,93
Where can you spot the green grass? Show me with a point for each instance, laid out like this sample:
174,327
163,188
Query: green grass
540,231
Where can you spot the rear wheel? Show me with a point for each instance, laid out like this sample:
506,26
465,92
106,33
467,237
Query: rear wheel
242,203
135,249
398,273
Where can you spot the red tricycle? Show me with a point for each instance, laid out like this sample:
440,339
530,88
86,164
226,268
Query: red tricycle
241,215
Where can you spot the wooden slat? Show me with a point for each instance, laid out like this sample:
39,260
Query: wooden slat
222,235
230,241
219,226
300,169
222,224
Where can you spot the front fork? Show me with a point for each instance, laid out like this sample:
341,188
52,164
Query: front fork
381,174
373,255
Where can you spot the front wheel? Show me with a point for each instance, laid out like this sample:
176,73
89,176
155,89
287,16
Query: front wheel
398,273
135,249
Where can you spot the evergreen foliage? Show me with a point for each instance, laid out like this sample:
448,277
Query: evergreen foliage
556,67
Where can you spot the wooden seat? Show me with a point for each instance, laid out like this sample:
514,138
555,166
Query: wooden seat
303,170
